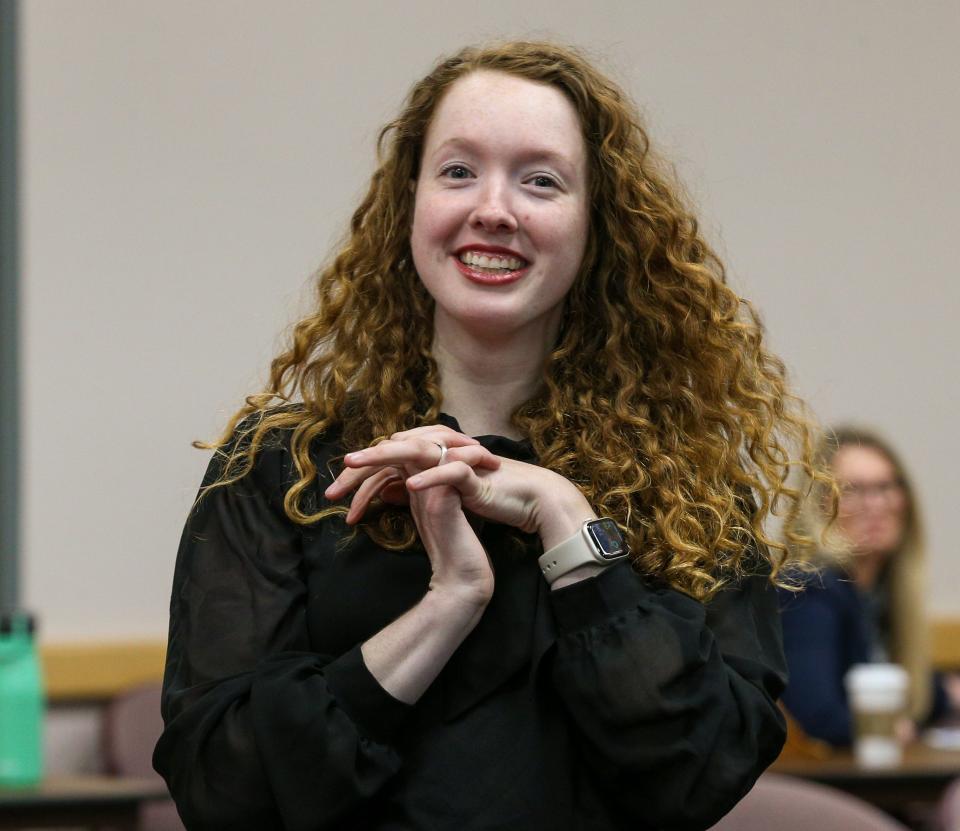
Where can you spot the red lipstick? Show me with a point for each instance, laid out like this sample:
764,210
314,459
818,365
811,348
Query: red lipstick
500,277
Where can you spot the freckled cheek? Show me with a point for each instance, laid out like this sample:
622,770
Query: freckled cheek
439,218
572,242
430,236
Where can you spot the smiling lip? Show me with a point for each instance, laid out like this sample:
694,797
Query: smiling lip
487,278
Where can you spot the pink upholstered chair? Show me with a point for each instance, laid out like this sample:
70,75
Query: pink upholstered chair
948,813
131,726
785,803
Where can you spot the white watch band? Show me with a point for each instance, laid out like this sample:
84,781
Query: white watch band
572,553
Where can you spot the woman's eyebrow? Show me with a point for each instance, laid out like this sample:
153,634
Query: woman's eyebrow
550,157
527,155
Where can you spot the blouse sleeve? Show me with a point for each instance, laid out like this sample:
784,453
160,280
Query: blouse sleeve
675,701
259,730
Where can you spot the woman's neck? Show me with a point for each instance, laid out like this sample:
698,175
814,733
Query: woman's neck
484,382
866,569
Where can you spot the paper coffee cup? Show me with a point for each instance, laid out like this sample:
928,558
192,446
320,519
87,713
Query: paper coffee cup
878,700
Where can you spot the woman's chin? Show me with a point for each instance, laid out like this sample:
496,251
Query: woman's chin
498,322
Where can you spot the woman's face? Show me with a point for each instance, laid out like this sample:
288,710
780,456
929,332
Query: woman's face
501,218
873,504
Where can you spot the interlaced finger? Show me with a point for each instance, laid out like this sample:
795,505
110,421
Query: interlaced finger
371,480
374,485
368,491
387,454
460,475
410,452
474,456
437,432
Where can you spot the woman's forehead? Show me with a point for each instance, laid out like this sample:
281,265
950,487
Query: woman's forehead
495,110
855,461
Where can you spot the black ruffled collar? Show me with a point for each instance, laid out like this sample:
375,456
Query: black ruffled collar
519,449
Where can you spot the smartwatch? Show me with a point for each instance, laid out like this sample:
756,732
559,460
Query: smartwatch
598,541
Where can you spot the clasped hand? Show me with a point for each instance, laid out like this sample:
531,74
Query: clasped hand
403,470
406,464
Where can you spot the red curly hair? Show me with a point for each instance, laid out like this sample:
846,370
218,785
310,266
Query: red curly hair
688,434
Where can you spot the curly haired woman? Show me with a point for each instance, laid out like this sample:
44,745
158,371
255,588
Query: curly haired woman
569,621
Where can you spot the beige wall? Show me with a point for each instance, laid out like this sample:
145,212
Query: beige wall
187,164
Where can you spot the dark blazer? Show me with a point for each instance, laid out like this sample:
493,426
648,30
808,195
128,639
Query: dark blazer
825,632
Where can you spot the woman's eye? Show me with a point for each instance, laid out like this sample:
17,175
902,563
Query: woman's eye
543,181
456,171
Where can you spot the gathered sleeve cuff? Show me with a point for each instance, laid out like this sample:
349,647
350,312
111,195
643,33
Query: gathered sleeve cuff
369,705
674,700
592,601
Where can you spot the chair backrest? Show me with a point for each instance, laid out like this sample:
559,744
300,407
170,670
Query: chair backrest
131,726
948,814
786,803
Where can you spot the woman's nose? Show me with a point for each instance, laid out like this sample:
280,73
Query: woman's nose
493,212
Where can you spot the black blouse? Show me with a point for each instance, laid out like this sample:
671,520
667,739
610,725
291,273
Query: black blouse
612,703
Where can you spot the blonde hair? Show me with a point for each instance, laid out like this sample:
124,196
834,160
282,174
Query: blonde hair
686,436
905,574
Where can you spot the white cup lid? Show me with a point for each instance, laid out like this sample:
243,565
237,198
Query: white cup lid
892,677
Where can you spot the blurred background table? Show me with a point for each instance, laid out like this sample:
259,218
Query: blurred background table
82,801
911,790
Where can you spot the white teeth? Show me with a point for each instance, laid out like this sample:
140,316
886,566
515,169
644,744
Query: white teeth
484,261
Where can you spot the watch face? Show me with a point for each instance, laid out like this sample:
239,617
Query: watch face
607,536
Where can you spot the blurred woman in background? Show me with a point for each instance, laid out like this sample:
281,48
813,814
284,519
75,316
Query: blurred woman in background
868,603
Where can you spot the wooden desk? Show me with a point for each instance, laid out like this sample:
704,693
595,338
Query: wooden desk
88,801
920,779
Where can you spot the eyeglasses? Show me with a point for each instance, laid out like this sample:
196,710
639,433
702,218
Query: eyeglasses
859,492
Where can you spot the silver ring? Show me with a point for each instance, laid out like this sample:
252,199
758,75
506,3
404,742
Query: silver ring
443,453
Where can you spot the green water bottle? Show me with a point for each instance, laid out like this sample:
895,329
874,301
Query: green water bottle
21,702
